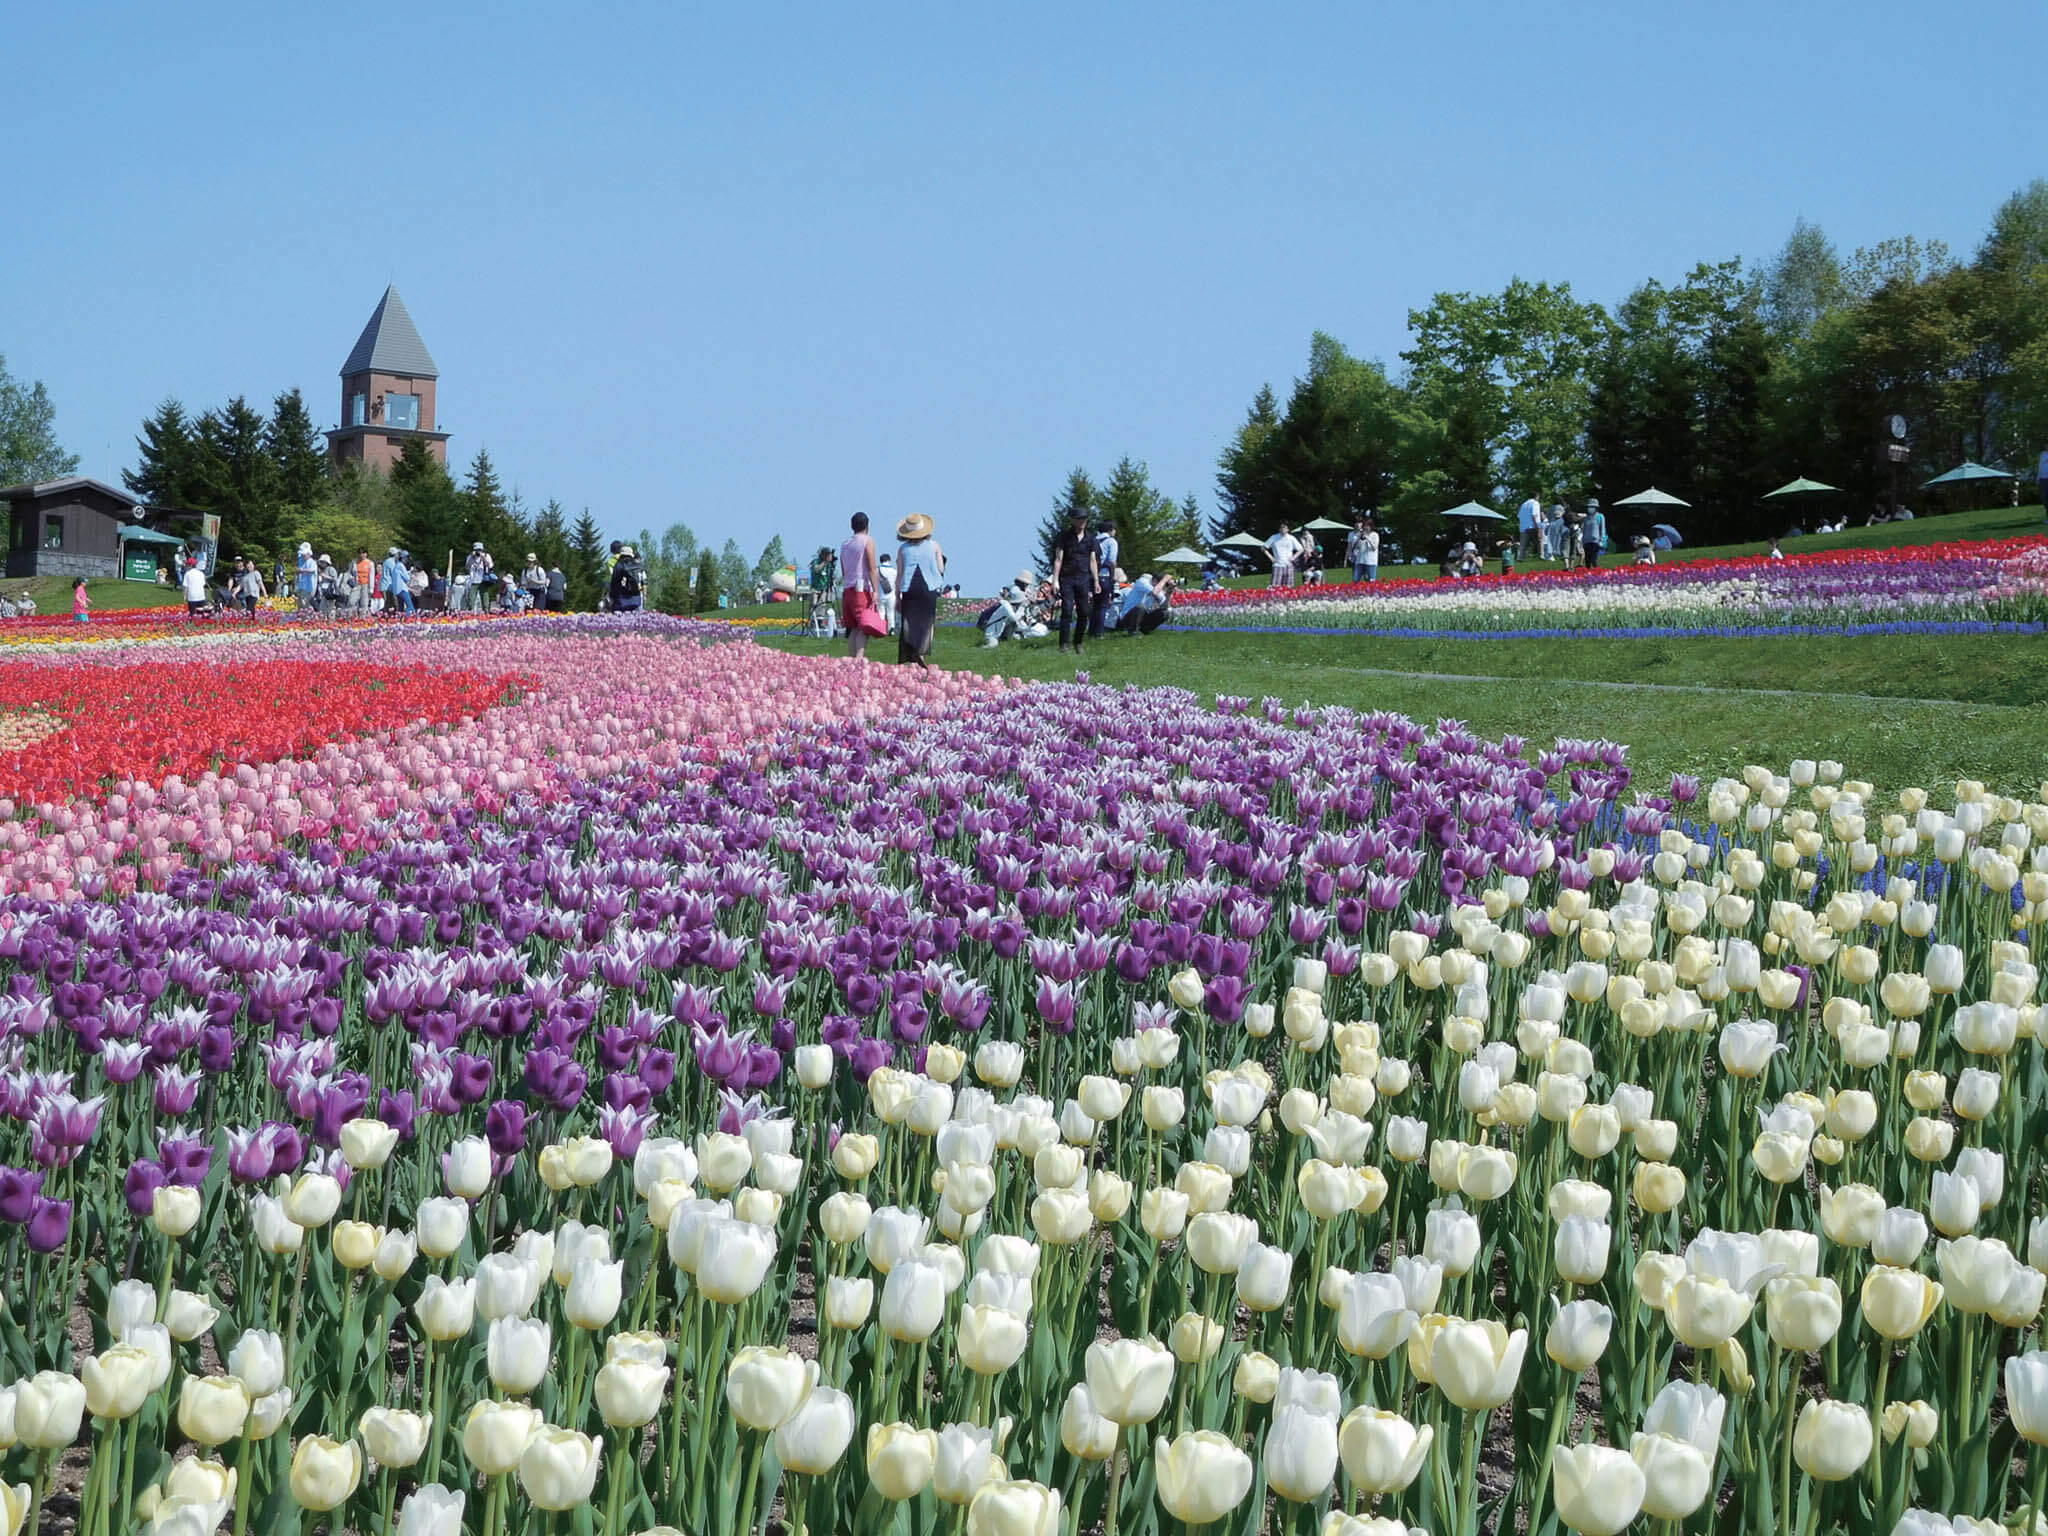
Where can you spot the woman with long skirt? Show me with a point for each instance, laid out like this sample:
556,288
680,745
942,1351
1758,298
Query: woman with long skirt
920,572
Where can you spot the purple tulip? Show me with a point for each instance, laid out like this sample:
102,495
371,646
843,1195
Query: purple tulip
49,1224
19,1188
505,1127
400,1111
176,1092
216,1049
658,1070
144,1179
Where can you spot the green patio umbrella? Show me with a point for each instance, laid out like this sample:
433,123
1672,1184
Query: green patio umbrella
1652,498
1473,510
1182,556
1969,469
1798,488
1241,541
1325,525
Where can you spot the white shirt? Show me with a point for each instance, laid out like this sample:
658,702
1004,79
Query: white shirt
1285,548
195,584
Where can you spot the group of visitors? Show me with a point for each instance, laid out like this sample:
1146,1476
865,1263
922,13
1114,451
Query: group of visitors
1028,608
1089,588
1572,539
910,584
1299,561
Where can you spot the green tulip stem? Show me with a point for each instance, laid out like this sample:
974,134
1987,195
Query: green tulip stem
494,1505
571,1387
621,1468
1791,1426
1116,1478
244,1481
128,1472
389,1493
35,1499
749,1502
89,1500
1884,1371
163,1287
291,1335
1468,1481
427,1401
2035,1490
1560,1418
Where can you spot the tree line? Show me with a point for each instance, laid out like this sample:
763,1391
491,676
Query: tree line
272,484
1716,389
1147,522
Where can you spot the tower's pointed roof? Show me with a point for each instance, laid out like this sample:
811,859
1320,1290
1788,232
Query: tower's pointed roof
391,343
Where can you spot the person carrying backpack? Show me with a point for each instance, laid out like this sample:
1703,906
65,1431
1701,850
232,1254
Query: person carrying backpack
628,580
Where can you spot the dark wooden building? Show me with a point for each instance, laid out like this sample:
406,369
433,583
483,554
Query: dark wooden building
75,527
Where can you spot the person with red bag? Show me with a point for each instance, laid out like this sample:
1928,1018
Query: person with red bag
859,578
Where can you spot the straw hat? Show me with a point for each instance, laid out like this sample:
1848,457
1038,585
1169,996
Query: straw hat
1027,579
916,526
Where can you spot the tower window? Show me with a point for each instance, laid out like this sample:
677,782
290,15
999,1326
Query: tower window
402,411
358,407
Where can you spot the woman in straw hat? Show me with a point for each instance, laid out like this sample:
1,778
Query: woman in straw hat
920,572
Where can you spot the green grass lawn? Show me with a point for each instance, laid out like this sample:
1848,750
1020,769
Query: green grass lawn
1898,710
1987,523
53,594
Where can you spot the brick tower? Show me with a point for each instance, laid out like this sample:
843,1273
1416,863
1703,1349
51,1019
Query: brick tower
387,392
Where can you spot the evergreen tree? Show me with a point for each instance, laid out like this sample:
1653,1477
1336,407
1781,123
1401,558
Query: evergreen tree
1190,530
735,576
1145,522
486,516
551,536
677,558
164,453
1244,491
298,458
431,517
233,476
706,600
585,565
1078,496
772,560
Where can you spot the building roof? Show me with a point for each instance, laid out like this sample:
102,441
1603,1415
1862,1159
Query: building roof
67,483
391,343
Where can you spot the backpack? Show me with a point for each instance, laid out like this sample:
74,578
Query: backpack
629,580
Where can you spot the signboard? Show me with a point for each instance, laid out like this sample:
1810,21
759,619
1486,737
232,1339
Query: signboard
209,527
140,564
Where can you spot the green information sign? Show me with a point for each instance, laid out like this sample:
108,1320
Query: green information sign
141,565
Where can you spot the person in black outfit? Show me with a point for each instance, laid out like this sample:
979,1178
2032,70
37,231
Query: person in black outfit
1077,573
628,578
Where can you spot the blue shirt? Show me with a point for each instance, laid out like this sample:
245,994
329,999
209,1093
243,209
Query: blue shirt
394,576
2041,473
1595,529
912,558
1106,551
1531,510
1140,599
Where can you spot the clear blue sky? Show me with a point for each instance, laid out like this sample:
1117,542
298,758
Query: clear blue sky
756,267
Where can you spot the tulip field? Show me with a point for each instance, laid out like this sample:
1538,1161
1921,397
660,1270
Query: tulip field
1980,586
602,1075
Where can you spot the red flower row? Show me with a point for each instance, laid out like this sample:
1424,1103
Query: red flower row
150,720
1678,571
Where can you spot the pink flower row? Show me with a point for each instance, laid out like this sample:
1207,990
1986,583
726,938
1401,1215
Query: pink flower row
598,706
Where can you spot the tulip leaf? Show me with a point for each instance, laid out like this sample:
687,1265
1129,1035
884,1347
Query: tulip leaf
279,1515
